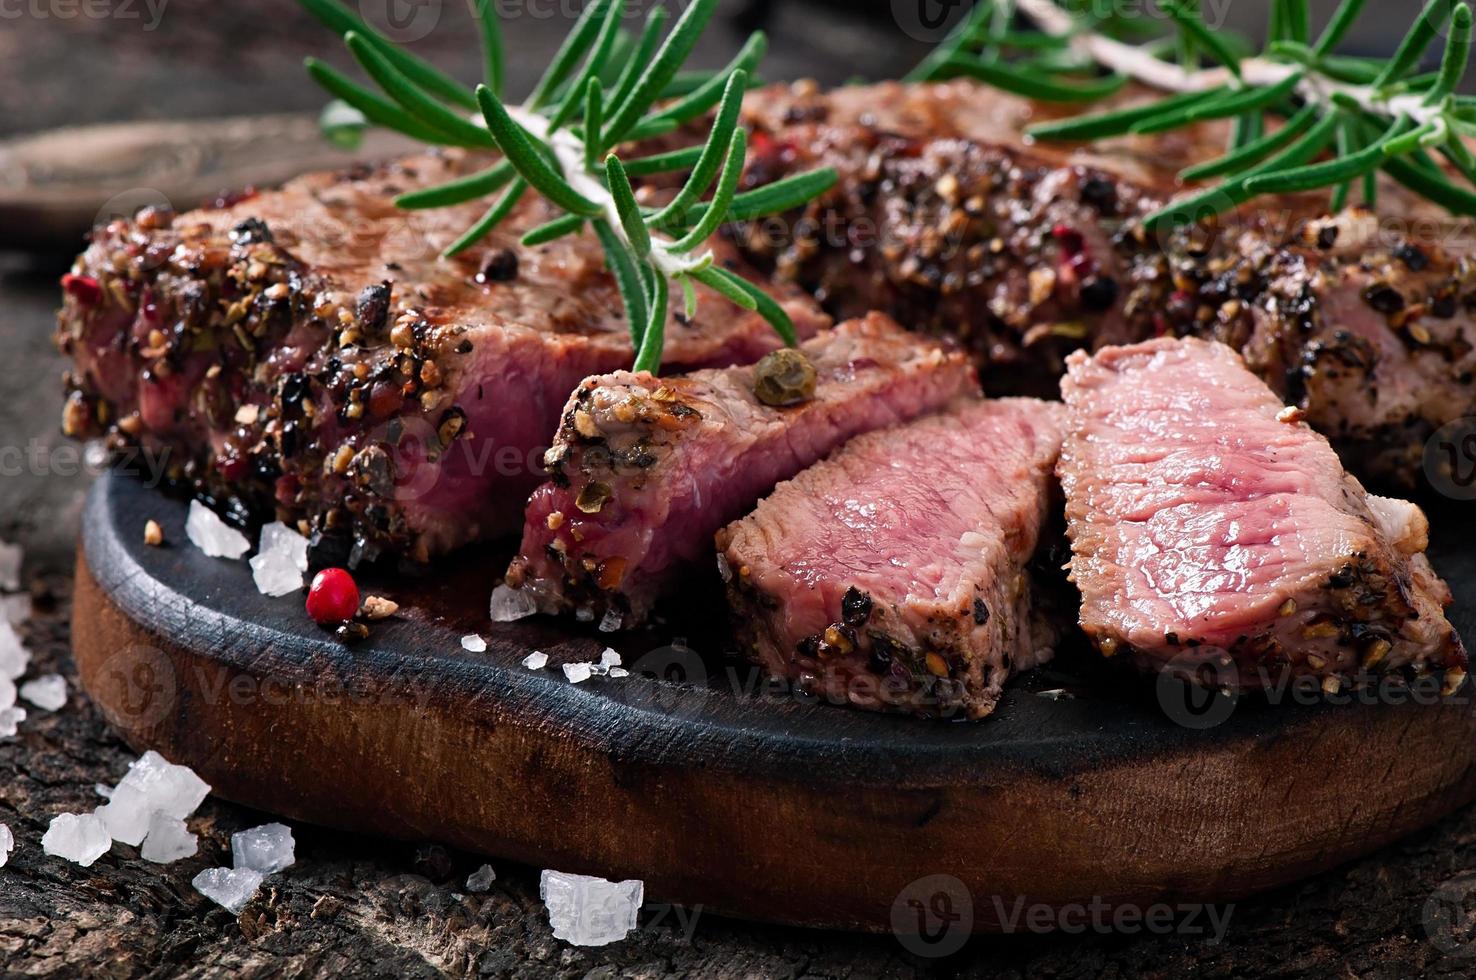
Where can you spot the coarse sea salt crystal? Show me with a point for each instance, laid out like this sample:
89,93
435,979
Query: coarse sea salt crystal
167,840
15,609
609,658
14,657
537,660
588,911
619,672
481,879
577,673
7,692
509,605
269,848
213,536
48,692
610,622
81,838
472,643
281,560
230,888
153,783
10,719
10,565
7,844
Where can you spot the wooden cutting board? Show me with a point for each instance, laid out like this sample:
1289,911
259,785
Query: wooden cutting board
720,791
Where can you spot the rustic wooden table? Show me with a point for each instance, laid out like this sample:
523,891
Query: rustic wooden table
369,907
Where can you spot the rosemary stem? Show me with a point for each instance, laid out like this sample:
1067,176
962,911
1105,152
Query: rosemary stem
568,150
1137,63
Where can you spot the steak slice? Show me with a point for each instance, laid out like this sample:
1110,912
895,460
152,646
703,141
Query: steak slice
946,220
1213,529
645,470
893,574
306,354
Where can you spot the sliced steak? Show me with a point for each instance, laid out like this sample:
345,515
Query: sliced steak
1212,528
945,219
893,574
645,470
305,353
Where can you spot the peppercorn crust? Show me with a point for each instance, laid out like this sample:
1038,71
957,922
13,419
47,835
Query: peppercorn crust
893,575
306,355
644,470
944,218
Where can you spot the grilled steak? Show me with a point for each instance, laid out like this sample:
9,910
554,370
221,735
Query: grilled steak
892,575
304,353
1211,527
645,470
946,220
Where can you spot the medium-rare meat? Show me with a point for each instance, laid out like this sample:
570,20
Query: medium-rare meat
1211,528
893,574
645,470
305,353
945,219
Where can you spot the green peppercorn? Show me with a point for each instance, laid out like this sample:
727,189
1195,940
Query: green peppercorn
784,377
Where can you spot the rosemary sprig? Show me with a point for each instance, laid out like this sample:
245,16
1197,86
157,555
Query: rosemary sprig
1291,102
602,91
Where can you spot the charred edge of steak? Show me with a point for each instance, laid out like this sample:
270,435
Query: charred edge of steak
1025,259
858,660
1345,637
200,321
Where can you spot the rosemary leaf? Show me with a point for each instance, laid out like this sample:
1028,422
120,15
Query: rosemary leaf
415,101
722,196
765,304
1457,55
1413,47
530,162
626,206
566,224
659,163
339,19
781,195
627,280
491,219
1457,200
705,96
1187,17
1235,104
494,58
1118,121
1033,85
1337,28
594,108
1232,192
604,42
713,151
1346,167
649,358
645,50
1247,155
669,57
951,46
458,191
574,47
377,110
713,278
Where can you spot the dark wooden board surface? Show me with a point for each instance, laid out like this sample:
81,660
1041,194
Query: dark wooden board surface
717,789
